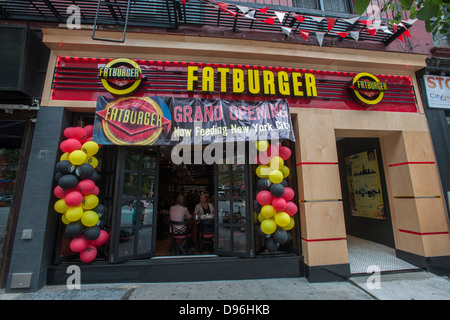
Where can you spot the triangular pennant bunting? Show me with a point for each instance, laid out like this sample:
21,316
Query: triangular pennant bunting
286,30
299,17
183,2
304,34
351,20
385,29
251,14
330,23
280,15
223,6
319,36
406,33
409,21
372,31
270,20
354,35
366,22
317,19
343,34
401,38
243,9
264,10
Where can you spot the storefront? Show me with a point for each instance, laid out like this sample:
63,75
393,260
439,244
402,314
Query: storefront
321,100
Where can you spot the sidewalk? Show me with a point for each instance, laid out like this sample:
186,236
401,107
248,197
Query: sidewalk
399,286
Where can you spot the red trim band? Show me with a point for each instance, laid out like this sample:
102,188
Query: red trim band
302,163
411,162
422,234
329,239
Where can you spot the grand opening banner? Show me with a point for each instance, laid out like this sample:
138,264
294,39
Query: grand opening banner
142,121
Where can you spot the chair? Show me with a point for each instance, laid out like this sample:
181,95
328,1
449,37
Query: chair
181,237
206,234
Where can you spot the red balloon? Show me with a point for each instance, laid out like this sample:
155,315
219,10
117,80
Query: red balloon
288,194
79,133
291,208
86,186
70,145
89,129
68,132
102,238
73,198
88,254
285,153
264,197
279,204
96,191
79,243
271,151
59,192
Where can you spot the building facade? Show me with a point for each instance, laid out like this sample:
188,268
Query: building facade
362,161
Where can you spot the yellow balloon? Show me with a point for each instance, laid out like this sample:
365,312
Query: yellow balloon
290,225
276,176
64,219
74,213
262,145
268,226
77,157
64,156
261,217
90,148
61,206
276,163
285,171
89,202
268,211
92,161
262,171
282,219
89,218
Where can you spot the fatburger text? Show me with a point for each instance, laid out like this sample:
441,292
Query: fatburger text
253,81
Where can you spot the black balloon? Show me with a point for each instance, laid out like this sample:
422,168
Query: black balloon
277,190
68,181
84,171
263,184
58,175
272,245
284,183
91,233
65,167
280,235
99,209
94,177
73,229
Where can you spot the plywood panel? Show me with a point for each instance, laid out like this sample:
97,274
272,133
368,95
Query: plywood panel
319,182
436,245
318,253
414,180
322,220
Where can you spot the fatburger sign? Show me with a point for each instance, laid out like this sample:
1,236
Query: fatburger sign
367,89
121,77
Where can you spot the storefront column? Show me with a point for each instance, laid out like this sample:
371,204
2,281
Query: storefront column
324,244
36,226
419,217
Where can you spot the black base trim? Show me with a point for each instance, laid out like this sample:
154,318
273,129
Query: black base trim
327,273
439,265
180,270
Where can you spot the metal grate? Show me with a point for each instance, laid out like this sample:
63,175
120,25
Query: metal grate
172,13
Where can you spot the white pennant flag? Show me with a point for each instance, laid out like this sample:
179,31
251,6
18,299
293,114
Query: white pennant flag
243,9
319,36
317,19
385,29
354,35
286,30
351,20
409,21
280,16
251,14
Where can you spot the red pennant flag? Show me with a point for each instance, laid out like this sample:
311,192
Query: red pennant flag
343,34
366,22
330,23
372,31
304,34
183,2
406,33
270,20
401,38
394,27
233,13
264,10
223,6
299,17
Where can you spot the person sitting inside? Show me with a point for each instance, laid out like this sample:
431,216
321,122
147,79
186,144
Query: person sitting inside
204,208
179,212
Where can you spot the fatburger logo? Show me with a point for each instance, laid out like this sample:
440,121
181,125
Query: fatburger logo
121,76
367,89
135,121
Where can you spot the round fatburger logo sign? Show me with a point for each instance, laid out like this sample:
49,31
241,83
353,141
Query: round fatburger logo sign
135,121
121,76
367,89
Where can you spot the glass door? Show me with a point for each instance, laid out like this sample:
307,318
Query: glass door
132,233
233,215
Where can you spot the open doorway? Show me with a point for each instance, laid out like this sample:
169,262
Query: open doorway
368,221
193,181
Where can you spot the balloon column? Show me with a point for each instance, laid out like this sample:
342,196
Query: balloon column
274,195
77,192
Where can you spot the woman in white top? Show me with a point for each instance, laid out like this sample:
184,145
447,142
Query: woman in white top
204,207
